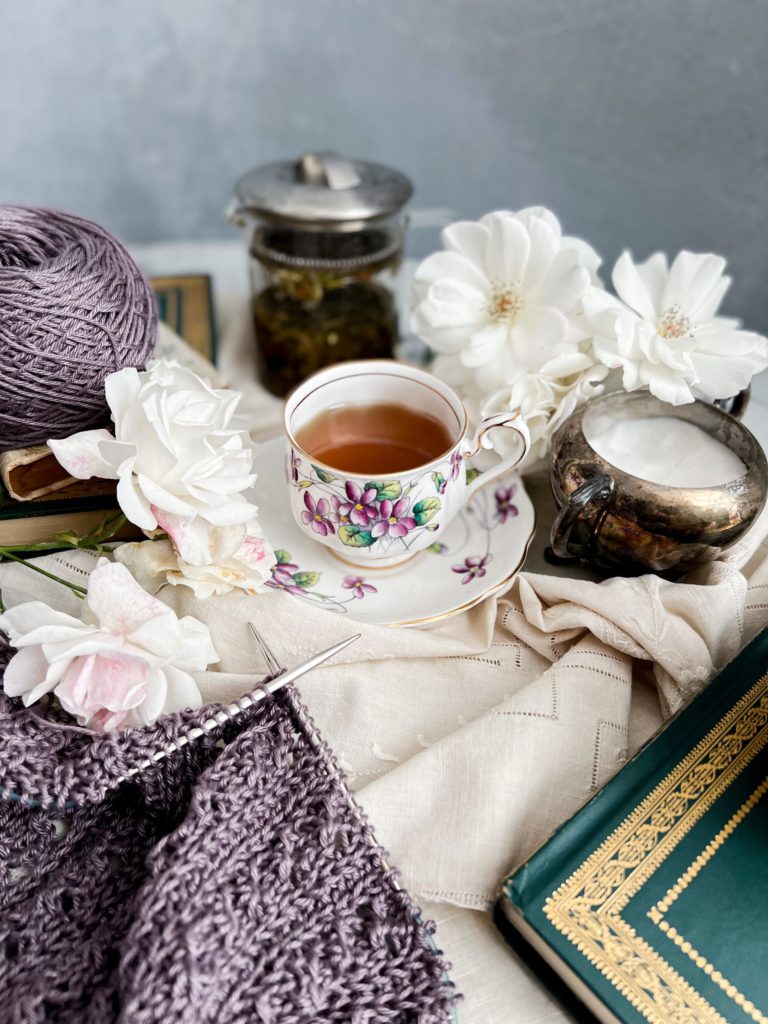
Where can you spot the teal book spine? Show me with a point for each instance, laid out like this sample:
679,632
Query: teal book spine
651,903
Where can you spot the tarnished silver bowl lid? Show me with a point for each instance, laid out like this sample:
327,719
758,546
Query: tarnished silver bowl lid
322,188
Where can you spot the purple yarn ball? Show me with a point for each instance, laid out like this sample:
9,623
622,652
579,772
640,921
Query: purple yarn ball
74,307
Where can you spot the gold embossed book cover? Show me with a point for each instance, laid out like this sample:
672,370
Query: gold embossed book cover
651,903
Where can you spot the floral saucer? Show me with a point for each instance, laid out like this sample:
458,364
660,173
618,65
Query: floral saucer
477,555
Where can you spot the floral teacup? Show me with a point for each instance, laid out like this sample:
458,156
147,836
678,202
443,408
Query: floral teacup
368,520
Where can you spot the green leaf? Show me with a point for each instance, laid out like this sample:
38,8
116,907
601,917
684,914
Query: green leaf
306,579
354,537
323,474
68,539
432,527
282,556
437,548
385,489
472,474
425,509
438,479
305,483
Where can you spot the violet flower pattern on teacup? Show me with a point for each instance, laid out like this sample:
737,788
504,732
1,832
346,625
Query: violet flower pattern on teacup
386,516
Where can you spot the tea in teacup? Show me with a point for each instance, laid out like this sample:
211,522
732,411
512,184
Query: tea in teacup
375,438
377,459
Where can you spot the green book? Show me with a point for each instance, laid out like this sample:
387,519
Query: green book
651,903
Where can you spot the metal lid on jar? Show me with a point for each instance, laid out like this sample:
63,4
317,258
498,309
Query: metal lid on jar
323,189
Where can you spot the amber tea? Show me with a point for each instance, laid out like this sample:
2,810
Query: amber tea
377,438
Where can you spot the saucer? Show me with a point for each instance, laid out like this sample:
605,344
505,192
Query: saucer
477,555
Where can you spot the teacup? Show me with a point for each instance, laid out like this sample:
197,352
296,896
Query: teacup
376,519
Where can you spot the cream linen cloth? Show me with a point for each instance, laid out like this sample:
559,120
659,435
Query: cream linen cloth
468,742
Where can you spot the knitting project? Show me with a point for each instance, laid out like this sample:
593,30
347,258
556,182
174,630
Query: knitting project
233,881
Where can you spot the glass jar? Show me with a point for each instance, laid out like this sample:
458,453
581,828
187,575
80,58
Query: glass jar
326,239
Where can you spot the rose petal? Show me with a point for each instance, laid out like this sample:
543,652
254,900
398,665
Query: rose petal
119,603
156,700
653,275
161,498
485,345
80,454
30,616
631,288
545,243
468,238
121,390
148,562
453,266
508,250
25,673
565,283
536,334
133,503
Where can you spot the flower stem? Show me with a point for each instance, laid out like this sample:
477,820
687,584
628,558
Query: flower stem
50,545
6,553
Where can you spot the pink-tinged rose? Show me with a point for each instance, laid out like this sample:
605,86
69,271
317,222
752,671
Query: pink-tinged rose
177,446
181,463
125,662
223,559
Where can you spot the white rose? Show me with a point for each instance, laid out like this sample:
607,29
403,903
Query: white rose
125,662
668,336
177,450
545,399
238,558
504,298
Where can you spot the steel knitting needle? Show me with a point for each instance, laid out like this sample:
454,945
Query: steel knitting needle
273,665
224,715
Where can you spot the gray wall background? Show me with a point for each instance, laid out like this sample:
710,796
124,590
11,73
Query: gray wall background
642,123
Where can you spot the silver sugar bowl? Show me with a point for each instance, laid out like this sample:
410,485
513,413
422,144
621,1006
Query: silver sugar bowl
628,525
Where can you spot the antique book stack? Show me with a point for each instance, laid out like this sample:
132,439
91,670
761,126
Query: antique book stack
651,903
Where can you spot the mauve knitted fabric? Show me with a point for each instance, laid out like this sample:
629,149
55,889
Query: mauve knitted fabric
235,881
74,307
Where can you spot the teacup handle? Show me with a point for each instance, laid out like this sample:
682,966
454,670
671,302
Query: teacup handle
483,442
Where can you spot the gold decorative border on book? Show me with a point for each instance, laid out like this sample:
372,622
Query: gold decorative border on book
657,912
587,907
